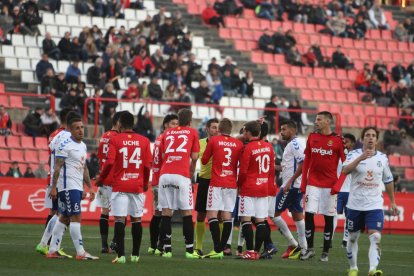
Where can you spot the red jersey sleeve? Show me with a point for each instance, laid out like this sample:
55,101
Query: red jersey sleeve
109,161
244,165
208,151
196,144
272,180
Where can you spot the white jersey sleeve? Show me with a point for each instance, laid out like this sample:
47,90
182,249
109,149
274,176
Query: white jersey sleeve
292,157
52,146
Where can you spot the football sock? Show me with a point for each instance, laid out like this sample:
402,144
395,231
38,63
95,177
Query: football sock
188,231
300,227
225,234
352,249
57,235
346,233
335,224
49,217
136,231
327,235
119,230
165,234
215,233
309,228
268,238
221,228
240,238
200,231
154,230
248,234
284,230
75,233
104,229
261,232
374,253
230,239
47,234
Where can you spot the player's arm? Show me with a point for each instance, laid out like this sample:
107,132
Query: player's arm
109,163
59,162
351,162
295,176
193,164
388,180
244,164
87,181
207,153
147,166
305,166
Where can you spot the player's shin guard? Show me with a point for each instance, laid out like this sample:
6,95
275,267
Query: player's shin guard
240,237
230,239
104,229
284,230
374,253
225,235
346,233
327,233
215,233
267,238
164,244
261,233
49,217
154,230
119,230
352,249
309,228
248,234
47,234
75,233
300,227
188,231
136,231
57,235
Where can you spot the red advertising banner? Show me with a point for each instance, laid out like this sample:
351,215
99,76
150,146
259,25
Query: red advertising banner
22,201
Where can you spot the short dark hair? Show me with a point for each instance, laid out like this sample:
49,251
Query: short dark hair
327,114
211,121
126,120
253,127
225,126
72,115
290,124
116,117
368,128
74,120
185,116
38,108
264,130
63,114
350,137
168,118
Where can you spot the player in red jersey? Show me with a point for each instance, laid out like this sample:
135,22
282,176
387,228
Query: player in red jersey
170,121
222,193
103,198
256,170
178,146
129,161
324,150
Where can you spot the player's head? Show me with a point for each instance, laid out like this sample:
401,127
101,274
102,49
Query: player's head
170,121
264,130
252,130
185,116
212,127
323,121
288,130
115,120
225,126
75,126
349,140
63,114
369,137
126,121
70,116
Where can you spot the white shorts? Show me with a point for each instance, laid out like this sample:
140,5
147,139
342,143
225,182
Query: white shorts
175,192
103,198
155,198
253,207
320,201
124,204
272,206
221,199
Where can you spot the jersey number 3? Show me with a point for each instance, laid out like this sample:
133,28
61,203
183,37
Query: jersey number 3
134,159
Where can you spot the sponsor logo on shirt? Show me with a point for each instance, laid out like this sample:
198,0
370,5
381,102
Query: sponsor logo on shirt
173,158
330,143
128,176
369,176
322,151
260,181
379,164
226,173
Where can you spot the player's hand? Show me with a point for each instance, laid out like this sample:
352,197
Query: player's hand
334,190
394,210
53,193
287,186
91,196
84,195
98,183
367,154
303,188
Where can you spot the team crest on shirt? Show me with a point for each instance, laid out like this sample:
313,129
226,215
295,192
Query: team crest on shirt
379,164
370,176
259,144
129,136
330,143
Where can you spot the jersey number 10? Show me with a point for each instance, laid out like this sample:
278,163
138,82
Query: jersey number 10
264,163
134,159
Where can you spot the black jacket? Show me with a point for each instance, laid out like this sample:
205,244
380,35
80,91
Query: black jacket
33,122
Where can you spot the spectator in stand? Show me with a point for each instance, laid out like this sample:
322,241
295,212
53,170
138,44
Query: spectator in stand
32,123
236,81
359,28
98,38
310,58
363,79
185,45
226,83
170,93
249,4
398,72
52,6
95,75
296,114
213,65
214,74
406,121
40,172
89,50
270,114
293,57
144,125
291,7
266,43
410,70
391,137
401,96
132,92
109,107
113,73
228,65
65,47
60,84
247,85
377,18
404,148
170,47
158,60
93,165
3,37
231,8
110,36
193,68
31,19
155,90
84,7
71,100
14,171
400,33
142,64
318,14
177,77
210,16
49,122
304,12
178,23
166,30
202,93
5,122
42,66
409,26
49,47
159,18
340,60
321,60
289,40
279,41
183,97
29,173
147,27
17,20
265,10
217,93
381,71
73,74
336,26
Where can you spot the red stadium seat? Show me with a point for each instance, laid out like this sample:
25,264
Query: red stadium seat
319,73
30,156
43,156
236,34
301,83
4,155
27,142
257,57
243,23
2,89
358,110
17,101
224,33
402,46
312,83
392,112
369,110
268,58
396,56
240,45
319,95
352,97
370,44
307,94
394,160
3,142
289,82
231,22
359,44
13,142
4,100
17,155
329,96
296,71
41,143
409,174
254,24
265,24
347,109
381,45
341,97
323,107
392,45
273,70
405,161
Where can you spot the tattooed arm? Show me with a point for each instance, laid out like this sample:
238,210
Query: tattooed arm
87,181
59,162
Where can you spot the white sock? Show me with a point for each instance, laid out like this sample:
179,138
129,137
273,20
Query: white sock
284,230
240,239
374,253
75,233
335,222
48,230
57,235
346,233
231,233
300,227
352,249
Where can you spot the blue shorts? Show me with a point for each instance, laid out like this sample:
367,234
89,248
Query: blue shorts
292,200
342,201
70,202
235,213
373,220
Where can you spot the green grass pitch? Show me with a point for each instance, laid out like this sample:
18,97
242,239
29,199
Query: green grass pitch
18,257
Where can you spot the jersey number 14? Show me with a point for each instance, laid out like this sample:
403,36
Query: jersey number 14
134,159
